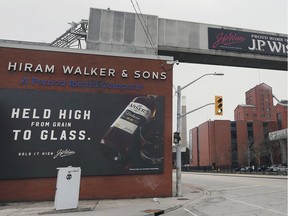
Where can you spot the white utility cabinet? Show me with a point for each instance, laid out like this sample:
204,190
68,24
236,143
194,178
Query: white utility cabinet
67,188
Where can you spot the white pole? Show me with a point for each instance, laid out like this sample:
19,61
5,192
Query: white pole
178,146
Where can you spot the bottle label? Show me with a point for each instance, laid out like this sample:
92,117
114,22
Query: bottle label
132,117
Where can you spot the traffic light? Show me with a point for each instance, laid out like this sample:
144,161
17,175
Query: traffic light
218,105
176,137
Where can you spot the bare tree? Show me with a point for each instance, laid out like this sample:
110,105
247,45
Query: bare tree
250,150
269,149
259,152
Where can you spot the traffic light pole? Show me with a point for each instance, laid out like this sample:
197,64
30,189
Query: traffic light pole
178,145
197,109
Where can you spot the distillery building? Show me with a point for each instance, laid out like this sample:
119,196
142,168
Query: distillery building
244,142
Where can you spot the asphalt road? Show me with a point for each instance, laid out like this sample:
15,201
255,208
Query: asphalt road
221,195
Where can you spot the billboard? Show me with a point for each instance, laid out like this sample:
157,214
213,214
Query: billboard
105,126
239,41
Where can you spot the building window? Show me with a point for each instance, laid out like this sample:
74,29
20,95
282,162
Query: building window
279,120
254,115
265,130
250,126
250,144
234,151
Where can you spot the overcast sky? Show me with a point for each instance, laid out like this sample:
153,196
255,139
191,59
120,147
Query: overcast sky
44,21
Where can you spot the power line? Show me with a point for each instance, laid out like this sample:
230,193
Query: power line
147,33
144,26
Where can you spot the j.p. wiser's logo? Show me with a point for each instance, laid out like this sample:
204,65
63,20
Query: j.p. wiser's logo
132,117
224,39
140,109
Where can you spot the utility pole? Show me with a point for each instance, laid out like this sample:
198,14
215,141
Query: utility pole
178,145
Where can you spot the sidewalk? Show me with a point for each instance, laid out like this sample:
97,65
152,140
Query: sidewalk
117,207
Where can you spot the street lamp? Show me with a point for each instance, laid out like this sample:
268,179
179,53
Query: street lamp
178,146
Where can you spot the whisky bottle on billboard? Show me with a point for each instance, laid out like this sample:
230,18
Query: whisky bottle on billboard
123,134
152,141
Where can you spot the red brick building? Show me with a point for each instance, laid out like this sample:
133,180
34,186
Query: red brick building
245,141
259,105
224,143
280,111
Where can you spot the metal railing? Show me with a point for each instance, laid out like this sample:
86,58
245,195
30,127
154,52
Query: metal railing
74,35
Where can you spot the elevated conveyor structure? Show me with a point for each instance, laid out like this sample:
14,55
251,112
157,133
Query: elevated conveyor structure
190,42
74,35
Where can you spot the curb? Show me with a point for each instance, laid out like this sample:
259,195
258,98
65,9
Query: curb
160,212
66,211
282,177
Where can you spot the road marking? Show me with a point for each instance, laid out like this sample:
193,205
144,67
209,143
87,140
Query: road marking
190,212
232,188
255,206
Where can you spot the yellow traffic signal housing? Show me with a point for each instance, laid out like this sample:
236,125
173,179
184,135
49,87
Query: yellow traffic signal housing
218,105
